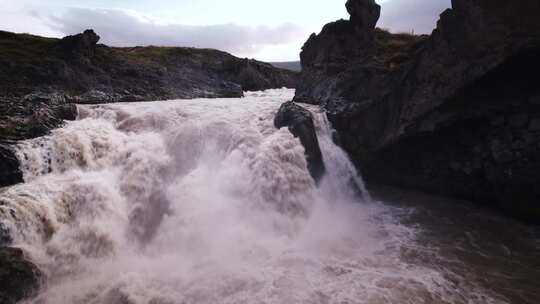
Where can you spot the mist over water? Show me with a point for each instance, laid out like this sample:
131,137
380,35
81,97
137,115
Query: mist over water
204,201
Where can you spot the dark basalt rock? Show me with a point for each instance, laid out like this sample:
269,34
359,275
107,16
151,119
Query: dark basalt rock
19,278
28,118
10,173
33,116
79,46
364,14
453,113
300,124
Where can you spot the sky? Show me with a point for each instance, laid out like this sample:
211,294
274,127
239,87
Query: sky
266,30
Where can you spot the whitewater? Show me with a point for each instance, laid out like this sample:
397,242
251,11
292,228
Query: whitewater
205,201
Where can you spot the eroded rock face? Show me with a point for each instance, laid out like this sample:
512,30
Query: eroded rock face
19,278
453,113
300,124
32,116
344,40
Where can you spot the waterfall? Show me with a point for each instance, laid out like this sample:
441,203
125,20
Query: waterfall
203,201
342,179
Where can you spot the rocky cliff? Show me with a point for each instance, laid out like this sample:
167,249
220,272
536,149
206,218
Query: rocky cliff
455,113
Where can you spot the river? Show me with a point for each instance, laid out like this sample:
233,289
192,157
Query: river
205,201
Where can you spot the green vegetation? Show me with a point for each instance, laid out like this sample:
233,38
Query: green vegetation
149,54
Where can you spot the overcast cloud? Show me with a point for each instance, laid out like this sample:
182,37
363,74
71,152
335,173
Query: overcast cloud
267,30
123,28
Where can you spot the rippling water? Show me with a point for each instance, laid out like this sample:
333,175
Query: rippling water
204,201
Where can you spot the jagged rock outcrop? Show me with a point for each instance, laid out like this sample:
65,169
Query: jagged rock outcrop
454,113
10,173
81,46
19,278
299,121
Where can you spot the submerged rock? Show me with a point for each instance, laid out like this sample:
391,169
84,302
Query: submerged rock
424,111
300,124
19,278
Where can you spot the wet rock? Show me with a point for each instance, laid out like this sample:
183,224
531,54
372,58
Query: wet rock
10,172
20,119
67,111
300,124
229,89
19,278
5,234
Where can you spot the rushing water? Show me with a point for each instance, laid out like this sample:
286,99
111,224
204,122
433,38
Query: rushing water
204,201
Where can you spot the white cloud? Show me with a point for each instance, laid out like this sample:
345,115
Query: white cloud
128,28
407,15
247,28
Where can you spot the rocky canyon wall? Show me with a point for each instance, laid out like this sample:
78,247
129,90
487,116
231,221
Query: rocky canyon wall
454,113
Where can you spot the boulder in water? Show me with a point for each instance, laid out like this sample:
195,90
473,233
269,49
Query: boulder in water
10,173
19,278
300,124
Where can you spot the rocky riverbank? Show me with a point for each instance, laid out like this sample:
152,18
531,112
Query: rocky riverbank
455,113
